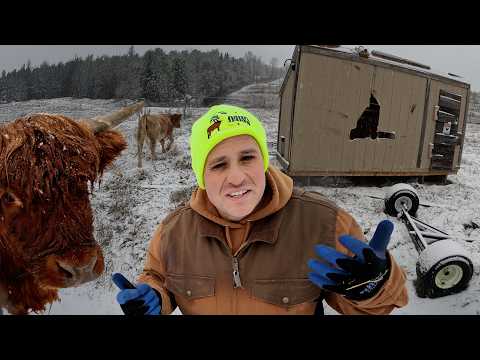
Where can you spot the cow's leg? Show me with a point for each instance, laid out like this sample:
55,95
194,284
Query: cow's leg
140,140
162,141
170,142
153,143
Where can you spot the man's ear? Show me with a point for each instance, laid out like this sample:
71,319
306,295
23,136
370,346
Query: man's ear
112,143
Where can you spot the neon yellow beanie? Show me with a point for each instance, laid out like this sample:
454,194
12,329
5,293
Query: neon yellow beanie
217,124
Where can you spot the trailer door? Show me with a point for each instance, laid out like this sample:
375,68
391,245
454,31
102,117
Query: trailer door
448,116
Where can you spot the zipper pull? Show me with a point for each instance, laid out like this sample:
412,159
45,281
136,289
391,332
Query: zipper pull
236,274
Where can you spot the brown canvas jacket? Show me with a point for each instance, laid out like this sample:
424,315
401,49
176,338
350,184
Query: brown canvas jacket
194,253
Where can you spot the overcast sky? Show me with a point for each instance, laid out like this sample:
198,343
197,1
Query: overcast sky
463,60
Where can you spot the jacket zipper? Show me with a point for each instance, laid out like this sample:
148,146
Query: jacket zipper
237,282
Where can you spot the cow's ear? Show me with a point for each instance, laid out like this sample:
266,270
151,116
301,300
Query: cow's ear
112,143
10,205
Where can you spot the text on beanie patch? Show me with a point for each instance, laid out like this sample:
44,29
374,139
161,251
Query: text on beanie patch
233,118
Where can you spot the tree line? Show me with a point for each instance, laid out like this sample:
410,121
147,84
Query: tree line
163,78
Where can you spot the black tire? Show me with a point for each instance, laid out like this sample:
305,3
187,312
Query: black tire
404,194
427,287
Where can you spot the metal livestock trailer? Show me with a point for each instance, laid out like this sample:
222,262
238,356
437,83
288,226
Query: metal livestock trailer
351,112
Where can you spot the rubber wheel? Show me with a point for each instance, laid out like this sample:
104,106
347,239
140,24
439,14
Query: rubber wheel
448,276
401,194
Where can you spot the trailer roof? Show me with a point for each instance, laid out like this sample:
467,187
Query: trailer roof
372,58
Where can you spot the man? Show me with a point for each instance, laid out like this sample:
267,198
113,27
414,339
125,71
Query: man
248,242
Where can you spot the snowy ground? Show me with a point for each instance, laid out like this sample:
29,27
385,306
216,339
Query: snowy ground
129,204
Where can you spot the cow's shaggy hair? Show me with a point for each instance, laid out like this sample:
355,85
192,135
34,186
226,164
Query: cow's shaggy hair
46,165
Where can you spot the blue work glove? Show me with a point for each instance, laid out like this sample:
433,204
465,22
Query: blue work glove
137,300
359,277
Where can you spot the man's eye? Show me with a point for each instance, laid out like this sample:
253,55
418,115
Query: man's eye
218,166
247,157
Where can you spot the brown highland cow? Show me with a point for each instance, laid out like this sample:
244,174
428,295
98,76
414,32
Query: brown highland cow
46,225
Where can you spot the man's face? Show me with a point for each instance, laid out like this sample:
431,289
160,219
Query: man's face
234,177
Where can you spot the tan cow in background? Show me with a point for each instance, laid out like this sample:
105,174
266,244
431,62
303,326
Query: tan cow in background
157,127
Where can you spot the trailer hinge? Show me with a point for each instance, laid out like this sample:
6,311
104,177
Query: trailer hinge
430,150
436,109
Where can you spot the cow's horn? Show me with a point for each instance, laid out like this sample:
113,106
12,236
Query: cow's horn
105,122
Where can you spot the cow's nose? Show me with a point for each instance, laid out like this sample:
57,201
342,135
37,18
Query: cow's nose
76,275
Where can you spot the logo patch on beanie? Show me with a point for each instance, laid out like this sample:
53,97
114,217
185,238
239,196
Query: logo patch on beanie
216,125
228,121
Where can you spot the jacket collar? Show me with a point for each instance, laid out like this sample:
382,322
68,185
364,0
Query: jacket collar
264,230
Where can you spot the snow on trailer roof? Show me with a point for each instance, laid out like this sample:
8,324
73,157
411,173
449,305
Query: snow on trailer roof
393,60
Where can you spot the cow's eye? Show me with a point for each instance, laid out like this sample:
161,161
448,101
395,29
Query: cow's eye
8,198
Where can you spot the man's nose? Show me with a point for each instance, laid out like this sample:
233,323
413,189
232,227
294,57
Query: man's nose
236,176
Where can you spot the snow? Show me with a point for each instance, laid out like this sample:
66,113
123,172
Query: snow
398,187
439,250
129,203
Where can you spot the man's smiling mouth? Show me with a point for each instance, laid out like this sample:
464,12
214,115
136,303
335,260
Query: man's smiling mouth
238,194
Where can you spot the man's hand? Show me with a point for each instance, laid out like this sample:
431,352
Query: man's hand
137,300
357,278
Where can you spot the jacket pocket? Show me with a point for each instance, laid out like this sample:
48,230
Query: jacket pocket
285,292
190,287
